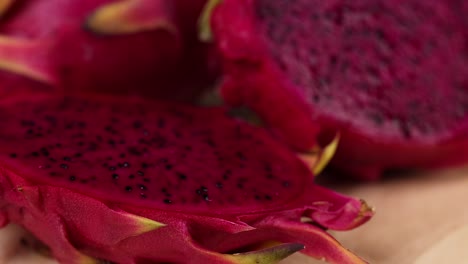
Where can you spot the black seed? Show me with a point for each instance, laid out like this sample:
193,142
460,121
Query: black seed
177,134
140,173
168,166
198,191
52,159
316,98
64,166
257,197
227,174
78,135
52,173
128,188
204,189
240,155
126,165
137,124
58,145
143,195
270,176
112,168
210,143
45,152
286,184
115,176
122,155
134,151
240,185
131,176
144,165
164,190
51,119
66,158
78,155
206,197
146,180
35,154
142,187
219,185
72,178
161,123
181,176
377,119
404,128
167,201
109,128
13,155
268,197
27,123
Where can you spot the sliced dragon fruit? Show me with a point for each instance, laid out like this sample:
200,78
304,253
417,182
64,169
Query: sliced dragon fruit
105,45
391,76
129,180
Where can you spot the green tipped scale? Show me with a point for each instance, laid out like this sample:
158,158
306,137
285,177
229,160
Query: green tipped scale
127,17
266,256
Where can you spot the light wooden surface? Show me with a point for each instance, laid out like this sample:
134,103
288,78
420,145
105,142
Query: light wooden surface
421,219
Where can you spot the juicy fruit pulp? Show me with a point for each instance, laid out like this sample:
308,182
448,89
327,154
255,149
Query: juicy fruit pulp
209,184
391,76
157,158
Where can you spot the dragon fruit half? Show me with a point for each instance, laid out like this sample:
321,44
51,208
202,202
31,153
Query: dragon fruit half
391,76
104,45
128,180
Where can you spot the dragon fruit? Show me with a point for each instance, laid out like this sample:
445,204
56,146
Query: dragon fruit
128,180
104,45
390,76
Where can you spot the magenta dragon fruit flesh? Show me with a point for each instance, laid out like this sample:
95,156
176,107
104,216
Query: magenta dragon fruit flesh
132,181
390,76
104,45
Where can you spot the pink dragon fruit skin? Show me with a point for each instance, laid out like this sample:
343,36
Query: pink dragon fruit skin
107,45
389,75
134,181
